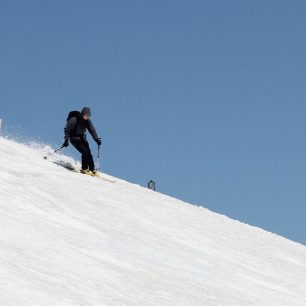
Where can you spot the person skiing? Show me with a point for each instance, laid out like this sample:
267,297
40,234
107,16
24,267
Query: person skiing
75,131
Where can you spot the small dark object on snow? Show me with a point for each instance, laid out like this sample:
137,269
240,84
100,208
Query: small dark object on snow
152,185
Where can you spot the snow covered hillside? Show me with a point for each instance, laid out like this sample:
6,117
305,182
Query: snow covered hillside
70,239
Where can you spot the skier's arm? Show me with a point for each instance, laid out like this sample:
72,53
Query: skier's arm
71,124
91,129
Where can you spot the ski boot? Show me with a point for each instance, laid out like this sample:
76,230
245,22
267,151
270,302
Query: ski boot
86,171
94,173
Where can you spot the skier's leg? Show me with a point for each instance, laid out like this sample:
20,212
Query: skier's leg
89,157
82,148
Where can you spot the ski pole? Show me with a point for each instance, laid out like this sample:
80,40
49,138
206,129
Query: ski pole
58,149
98,162
45,157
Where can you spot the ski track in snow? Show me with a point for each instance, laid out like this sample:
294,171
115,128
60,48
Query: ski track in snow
69,239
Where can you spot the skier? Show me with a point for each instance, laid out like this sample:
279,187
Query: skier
75,131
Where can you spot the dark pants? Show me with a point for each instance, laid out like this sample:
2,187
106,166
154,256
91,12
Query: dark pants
82,146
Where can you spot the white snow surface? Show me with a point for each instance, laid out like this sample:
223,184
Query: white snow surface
70,239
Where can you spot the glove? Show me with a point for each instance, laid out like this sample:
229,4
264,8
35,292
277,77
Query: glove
98,141
66,144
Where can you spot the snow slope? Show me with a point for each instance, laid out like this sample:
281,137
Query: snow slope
69,239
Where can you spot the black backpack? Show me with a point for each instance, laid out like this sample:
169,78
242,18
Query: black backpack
77,115
72,114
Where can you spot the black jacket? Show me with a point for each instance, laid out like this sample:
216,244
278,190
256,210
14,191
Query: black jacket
76,127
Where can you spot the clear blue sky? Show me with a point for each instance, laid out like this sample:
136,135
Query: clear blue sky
208,98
